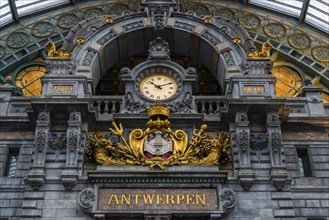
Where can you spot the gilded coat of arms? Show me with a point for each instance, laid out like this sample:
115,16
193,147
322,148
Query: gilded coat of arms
158,145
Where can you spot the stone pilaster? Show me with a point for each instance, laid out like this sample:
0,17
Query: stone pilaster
278,171
242,135
70,174
36,176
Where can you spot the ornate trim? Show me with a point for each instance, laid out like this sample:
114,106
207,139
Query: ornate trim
228,198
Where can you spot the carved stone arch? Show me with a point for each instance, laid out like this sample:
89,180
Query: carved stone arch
106,43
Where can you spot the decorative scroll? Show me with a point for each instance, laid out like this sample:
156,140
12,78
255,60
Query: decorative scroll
158,145
265,53
53,53
228,198
87,197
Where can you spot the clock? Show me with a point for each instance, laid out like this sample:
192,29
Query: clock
158,86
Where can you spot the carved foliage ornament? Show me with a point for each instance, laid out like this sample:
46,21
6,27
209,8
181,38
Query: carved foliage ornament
228,198
265,53
158,145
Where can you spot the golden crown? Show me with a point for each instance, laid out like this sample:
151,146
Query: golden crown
158,109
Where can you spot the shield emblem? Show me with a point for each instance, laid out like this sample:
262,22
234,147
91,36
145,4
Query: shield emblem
158,144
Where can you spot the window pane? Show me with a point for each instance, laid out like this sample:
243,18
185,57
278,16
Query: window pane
318,14
5,14
12,163
291,7
28,6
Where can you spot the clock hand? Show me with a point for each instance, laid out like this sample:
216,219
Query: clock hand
166,84
155,85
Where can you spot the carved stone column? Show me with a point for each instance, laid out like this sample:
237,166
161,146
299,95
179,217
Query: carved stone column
242,135
70,174
36,176
278,172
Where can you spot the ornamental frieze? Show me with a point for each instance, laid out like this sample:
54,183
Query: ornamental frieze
158,145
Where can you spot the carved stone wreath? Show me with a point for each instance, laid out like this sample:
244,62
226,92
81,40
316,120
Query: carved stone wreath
275,30
300,40
42,29
250,22
321,53
93,12
67,21
17,40
118,9
225,13
199,9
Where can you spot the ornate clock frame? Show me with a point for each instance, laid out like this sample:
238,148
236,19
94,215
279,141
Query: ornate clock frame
158,62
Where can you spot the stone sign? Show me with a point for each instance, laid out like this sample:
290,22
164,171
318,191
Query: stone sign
259,89
157,199
62,89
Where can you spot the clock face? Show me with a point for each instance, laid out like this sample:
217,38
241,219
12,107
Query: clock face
158,86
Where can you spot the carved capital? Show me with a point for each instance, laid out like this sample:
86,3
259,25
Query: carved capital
246,178
36,177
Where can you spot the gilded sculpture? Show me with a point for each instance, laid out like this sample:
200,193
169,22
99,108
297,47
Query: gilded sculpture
265,53
53,53
158,145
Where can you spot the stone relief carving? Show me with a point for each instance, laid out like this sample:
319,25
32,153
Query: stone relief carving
75,116
43,116
132,105
89,57
40,139
159,17
72,138
86,198
228,198
259,141
159,50
16,109
242,138
185,105
191,71
228,58
57,141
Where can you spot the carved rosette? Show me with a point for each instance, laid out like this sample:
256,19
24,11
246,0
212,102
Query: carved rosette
87,198
228,198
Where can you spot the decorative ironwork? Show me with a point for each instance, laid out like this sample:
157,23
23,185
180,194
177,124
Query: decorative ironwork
321,53
3,52
228,198
225,13
199,9
275,30
87,197
93,12
42,29
250,22
18,40
67,21
300,40
158,145
118,9
265,53
53,53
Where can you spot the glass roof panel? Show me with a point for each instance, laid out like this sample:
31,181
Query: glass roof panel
5,13
291,7
28,6
318,14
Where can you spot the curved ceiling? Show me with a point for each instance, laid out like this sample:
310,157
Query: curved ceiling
313,12
298,29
